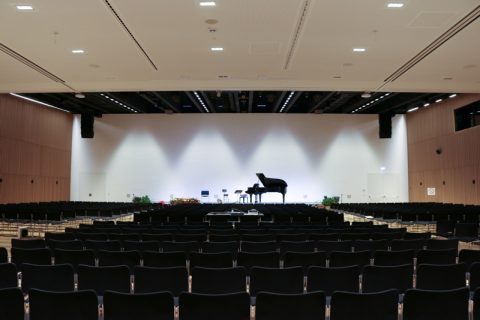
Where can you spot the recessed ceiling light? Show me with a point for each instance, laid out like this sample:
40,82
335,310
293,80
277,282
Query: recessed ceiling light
438,100
395,5
412,109
24,7
426,104
216,49
453,95
79,95
359,49
366,95
208,4
78,51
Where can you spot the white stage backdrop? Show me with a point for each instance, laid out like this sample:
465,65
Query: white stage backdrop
165,156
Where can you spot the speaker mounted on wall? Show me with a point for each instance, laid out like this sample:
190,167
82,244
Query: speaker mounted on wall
385,125
86,125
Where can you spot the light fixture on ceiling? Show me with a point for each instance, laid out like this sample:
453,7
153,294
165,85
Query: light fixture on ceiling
24,7
79,95
78,51
395,5
39,102
366,95
201,101
438,100
208,4
453,95
216,49
288,100
412,109
426,104
359,49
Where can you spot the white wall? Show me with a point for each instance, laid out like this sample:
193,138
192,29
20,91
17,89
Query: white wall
179,155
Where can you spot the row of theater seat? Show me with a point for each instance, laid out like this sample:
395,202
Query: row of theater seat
248,259
229,280
417,304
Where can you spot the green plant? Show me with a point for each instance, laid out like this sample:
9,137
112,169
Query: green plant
328,201
144,199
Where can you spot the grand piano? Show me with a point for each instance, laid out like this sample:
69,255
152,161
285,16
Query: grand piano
269,185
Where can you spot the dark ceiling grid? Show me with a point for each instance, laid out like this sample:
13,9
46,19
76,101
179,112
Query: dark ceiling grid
238,102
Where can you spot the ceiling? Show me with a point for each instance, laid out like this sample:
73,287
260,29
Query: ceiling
152,56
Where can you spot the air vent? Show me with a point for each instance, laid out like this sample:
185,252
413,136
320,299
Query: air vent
459,26
124,26
17,56
296,35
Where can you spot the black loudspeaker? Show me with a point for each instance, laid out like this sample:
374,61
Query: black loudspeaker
385,125
86,125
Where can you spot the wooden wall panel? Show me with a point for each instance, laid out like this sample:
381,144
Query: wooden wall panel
35,145
452,171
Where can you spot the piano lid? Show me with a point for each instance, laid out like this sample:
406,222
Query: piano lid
271,182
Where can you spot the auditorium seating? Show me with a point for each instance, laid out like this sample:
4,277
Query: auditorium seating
148,258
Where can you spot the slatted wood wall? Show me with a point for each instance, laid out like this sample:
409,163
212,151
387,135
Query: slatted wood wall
453,172
35,152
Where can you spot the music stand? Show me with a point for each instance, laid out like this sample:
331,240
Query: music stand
205,194
238,193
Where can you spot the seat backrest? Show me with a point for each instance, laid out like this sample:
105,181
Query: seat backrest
218,280
197,237
215,247
152,279
231,306
370,245
275,306
441,277
297,246
343,259
305,259
164,259
157,237
435,244
381,305
414,244
28,243
393,258
468,256
97,245
62,236
476,304
445,256
8,275
99,279
12,304
211,260
266,237
145,306
187,247
65,244
34,256
258,259
380,278
3,255
82,304
417,235
51,278
333,279
74,257
436,304
286,280
261,246
329,246
141,246
116,258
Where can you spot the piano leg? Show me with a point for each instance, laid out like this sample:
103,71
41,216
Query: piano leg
283,196
260,198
